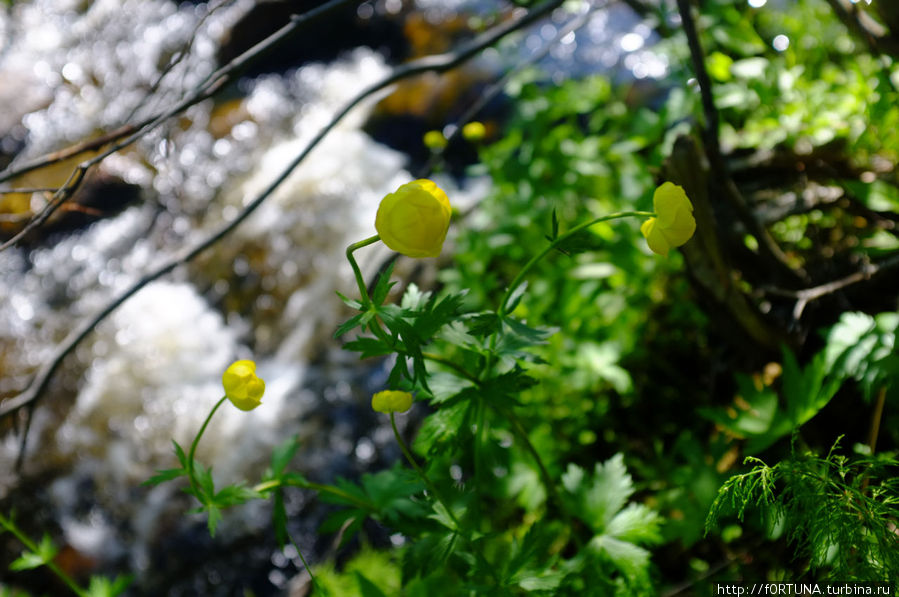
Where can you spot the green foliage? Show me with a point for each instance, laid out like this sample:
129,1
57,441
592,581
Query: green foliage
841,512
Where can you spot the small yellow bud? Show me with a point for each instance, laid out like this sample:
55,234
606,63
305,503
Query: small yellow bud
434,140
674,224
242,386
391,401
414,219
474,131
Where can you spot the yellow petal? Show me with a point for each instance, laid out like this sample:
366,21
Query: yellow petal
391,401
242,386
414,219
654,237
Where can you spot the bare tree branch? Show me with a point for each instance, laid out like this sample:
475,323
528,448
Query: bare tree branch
768,247
436,63
131,133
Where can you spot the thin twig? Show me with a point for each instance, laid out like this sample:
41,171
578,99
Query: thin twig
439,63
207,88
806,295
768,248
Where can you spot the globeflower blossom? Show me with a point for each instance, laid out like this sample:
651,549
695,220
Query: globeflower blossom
414,219
391,401
242,386
674,224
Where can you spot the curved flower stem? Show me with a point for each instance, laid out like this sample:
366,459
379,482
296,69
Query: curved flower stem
193,447
360,281
10,525
555,243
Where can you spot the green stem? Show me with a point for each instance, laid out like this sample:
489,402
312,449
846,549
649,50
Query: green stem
319,487
360,281
10,526
555,243
424,477
315,587
193,448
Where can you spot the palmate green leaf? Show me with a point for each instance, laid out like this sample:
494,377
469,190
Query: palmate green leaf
637,523
444,425
598,499
482,324
429,553
864,348
632,560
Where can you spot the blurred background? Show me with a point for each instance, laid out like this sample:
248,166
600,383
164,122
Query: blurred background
584,112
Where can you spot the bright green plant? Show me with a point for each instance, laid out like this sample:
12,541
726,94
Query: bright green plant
44,552
480,507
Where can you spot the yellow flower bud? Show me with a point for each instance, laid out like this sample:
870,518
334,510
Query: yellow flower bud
674,223
414,219
391,401
474,131
242,387
434,140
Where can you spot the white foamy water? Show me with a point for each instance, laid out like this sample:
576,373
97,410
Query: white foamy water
150,372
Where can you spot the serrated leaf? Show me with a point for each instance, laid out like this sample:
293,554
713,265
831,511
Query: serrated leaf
27,561
637,524
414,298
283,454
632,560
215,516
482,324
233,495
579,242
383,286
353,304
100,586
44,553
442,426
164,475
598,499
203,477
349,324
366,587
515,297
179,452
368,347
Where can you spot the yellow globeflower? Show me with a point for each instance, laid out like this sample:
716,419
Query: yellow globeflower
674,223
434,140
391,401
414,219
474,131
242,386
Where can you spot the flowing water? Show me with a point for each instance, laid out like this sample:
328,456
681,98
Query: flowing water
150,372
